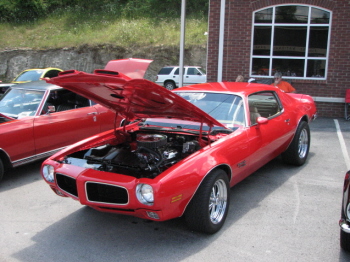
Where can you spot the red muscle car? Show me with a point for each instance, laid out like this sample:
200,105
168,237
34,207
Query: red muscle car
185,152
38,119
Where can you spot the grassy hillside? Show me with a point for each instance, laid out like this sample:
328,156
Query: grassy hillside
75,26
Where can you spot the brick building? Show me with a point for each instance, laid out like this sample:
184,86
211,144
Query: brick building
307,40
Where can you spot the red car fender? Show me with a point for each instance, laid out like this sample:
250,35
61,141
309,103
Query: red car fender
176,187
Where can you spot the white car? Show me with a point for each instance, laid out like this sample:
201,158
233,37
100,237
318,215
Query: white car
168,76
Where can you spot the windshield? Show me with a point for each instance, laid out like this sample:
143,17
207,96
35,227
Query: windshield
228,109
17,103
32,75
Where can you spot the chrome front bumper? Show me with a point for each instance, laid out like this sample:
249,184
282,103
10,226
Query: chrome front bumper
344,226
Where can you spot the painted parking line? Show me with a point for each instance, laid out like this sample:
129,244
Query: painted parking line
342,145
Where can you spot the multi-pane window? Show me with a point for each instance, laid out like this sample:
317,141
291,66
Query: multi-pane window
291,39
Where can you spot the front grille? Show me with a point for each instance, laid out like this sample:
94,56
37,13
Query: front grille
67,184
104,193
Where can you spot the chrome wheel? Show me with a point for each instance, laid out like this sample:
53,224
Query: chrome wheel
303,143
218,201
298,150
208,208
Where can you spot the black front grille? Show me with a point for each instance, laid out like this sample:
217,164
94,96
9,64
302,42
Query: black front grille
104,193
67,184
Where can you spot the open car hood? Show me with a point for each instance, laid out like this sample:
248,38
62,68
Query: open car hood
131,67
131,98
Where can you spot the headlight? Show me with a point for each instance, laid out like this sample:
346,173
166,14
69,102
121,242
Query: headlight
48,173
144,194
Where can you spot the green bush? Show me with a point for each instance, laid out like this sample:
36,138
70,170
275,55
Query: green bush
21,11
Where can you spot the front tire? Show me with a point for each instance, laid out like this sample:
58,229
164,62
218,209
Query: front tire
208,208
345,241
170,85
298,150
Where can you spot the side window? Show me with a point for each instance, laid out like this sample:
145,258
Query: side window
191,71
51,73
62,100
177,71
265,104
165,71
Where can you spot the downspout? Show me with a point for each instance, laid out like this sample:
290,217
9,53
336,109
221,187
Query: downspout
182,42
221,40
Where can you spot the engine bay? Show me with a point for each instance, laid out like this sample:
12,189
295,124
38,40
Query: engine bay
142,155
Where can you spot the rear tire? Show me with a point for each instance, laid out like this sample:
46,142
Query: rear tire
208,208
298,150
345,241
170,85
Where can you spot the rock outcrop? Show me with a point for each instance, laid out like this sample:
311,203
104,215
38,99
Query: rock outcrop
88,58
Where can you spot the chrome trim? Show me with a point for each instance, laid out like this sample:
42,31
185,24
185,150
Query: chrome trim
33,158
344,226
87,199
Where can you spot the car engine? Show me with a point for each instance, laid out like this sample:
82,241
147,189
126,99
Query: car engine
147,155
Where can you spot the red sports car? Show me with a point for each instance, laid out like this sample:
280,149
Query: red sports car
185,152
38,119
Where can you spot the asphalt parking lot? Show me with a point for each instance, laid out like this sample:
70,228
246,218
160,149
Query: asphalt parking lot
280,213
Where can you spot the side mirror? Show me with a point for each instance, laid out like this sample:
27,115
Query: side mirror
262,120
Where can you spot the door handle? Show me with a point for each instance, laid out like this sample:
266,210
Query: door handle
92,113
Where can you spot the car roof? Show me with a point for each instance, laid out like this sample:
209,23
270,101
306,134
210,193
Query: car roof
36,85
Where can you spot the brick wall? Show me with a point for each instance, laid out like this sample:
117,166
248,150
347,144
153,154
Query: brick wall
237,44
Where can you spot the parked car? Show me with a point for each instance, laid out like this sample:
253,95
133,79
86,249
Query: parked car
189,147
36,74
169,76
345,215
37,119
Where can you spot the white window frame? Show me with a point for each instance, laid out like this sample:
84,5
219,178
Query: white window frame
306,57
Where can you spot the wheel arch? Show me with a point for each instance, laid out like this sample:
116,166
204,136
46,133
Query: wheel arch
169,80
304,118
224,167
4,157
207,210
